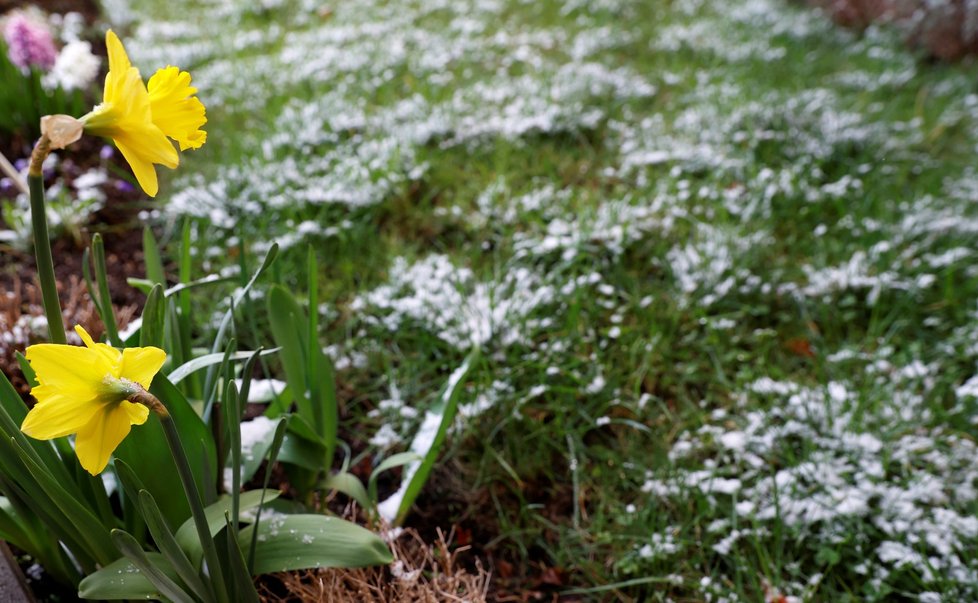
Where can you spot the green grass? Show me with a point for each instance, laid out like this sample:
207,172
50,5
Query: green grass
767,122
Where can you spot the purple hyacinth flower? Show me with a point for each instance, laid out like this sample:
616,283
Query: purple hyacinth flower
29,44
124,186
107,152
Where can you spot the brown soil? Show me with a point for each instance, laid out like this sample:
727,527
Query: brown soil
88,8
448,499
121,231
940,29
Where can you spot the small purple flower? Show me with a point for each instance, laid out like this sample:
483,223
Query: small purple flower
107,152
20,164
29,44
124,186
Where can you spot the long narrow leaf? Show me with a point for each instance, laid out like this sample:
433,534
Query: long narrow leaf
166,585
211,377
289,330
349,484
93,291
145,284
187,534
226,323
90,529
13,527
182,323
232,419
25,367
321,377
186,369
395,460
246,373
153,319
152,258
12,413
28,530
168,546
244,588
427,443
55,455
102,280
129,487
122,579
302,447
272,457
261,431
306,541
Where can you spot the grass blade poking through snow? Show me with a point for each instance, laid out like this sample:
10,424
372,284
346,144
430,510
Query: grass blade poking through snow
427,443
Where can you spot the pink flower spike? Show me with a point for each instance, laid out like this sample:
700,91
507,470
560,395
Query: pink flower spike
29,44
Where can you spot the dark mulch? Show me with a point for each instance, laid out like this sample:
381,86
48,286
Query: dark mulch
941,29
88,8
448,501
121,229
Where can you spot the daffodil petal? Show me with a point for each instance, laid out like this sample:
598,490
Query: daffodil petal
110,353
74,370
85,337
56,415
141,364
98,438
151,144
118,59
175,109
137,412
142,148
143,170
124,88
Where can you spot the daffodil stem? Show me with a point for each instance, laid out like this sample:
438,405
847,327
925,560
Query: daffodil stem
42,244
190,488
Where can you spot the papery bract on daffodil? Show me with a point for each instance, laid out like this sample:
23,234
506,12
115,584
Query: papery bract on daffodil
84,390
140,120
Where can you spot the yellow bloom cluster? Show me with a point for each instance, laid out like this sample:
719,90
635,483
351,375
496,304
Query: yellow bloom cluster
139,119
84,390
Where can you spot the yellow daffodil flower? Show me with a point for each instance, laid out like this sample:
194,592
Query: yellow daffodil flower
84,390
139,120
175,109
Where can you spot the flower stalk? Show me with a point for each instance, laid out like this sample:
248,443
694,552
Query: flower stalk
141,396
42,243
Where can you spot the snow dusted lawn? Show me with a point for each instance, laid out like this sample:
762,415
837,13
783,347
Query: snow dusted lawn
719,255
